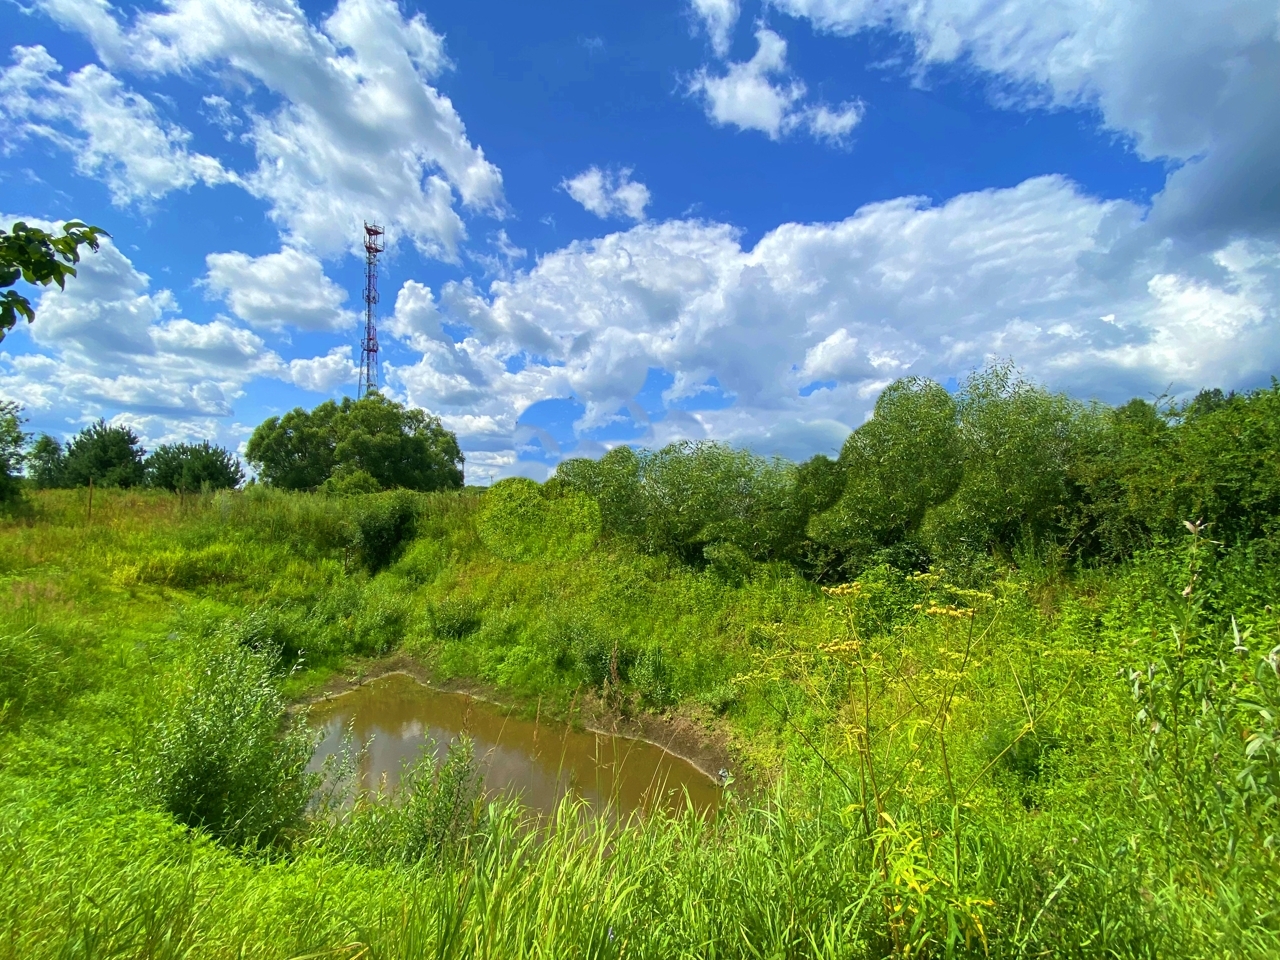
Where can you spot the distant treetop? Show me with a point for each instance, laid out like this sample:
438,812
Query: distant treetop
357,446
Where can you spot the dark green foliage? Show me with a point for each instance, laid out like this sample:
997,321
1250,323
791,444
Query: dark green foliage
1215,461
896,466
222,758
1224,466
111,456
695,495
193,467
370,443
39,258
1017,444
820,481
347,482
279,631
613,482
12,440
588,654
384,524
1118,483
295,452
688,497
46,463
397,446
1003,468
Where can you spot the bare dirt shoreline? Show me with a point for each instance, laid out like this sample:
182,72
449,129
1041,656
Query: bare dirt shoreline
700,742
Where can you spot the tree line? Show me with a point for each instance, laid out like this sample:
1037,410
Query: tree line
112,455
356,446
1000,466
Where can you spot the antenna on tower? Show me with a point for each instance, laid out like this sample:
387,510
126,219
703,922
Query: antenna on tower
373,245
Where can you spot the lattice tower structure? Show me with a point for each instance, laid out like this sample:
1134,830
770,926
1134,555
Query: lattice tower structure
374,244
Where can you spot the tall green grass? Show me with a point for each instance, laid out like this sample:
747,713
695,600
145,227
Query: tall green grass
999,761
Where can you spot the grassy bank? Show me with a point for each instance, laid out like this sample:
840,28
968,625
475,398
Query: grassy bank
1003,759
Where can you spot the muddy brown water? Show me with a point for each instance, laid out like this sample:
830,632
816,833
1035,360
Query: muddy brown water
395,718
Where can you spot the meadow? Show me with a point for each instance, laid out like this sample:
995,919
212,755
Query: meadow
1015,756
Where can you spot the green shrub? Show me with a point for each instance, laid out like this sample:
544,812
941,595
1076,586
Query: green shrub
582,650
222,757
896,466
729,562
193,467
423,560
282,630
350,483
520,521
384,524
1017,444
110,456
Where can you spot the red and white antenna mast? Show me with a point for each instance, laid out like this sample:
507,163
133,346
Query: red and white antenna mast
373,245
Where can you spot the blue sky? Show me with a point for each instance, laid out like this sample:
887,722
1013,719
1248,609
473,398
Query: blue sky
638,223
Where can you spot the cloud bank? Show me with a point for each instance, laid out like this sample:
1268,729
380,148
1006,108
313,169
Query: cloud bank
358,130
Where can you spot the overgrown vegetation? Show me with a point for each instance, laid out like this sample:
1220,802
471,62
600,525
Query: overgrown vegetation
1017,700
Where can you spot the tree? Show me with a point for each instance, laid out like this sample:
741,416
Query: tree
295,451
1214,460
38,258
896,466
111,456
46,463
613,482
338,446
396,445
193,466
695,501
12,440
1019,445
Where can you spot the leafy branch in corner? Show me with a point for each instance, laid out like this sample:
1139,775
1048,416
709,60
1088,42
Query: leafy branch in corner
41,258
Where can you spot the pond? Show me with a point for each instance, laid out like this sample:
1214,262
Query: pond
395,717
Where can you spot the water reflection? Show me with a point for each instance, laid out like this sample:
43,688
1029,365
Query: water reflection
539,761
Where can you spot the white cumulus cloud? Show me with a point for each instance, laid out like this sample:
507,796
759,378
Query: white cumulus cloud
358,131
1190,80
282,289
802,330
761,94
718,18
111,345
608,194
113,134
326,373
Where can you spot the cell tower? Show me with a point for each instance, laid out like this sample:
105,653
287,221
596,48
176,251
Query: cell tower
373,245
